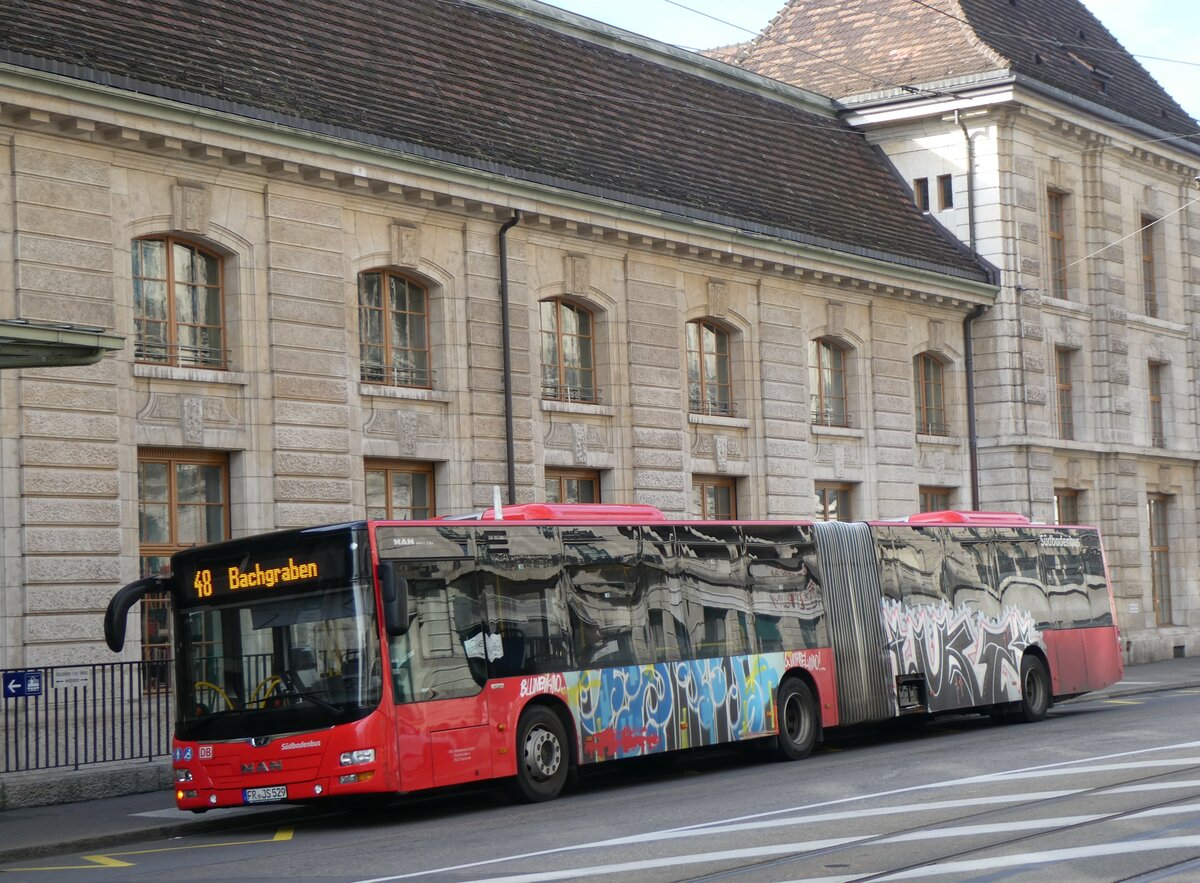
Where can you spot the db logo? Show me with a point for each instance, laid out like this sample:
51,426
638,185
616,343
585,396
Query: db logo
206,752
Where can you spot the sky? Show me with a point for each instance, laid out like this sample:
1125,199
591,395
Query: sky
1148,29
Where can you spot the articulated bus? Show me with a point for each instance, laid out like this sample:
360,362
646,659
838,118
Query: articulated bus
519,645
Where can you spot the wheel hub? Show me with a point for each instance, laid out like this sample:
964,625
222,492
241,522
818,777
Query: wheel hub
542,753
793,719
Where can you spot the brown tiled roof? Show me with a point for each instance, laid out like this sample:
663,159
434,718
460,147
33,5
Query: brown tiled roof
1060,43
854,46
477,86
728,54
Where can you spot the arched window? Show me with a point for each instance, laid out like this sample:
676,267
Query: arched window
930,395
568,356
827,383
177,304
393,326
709,383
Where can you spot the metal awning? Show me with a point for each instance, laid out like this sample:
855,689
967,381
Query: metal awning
25,343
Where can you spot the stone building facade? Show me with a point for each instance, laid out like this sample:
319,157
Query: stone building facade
661,342
1065,165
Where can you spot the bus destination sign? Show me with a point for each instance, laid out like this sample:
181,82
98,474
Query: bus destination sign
207,575
257,577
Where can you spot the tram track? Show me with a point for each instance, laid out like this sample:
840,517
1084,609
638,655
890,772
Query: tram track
929,862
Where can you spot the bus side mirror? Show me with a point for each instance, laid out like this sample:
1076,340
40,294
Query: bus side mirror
393,590
119,605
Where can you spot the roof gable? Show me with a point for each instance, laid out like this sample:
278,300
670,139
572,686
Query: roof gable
475,85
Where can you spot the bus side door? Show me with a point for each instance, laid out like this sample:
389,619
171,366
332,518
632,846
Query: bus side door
438,672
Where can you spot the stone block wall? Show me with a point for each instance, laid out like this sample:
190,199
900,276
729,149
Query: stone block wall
295,420
1111,182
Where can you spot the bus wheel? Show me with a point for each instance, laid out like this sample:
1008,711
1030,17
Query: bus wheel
797,720
542,756
1035,690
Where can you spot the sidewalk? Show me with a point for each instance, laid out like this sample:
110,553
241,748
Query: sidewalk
1152,677
94,826
108,823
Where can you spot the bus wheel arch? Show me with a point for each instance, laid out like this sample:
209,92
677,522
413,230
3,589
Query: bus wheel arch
545,751
1037,692
798,713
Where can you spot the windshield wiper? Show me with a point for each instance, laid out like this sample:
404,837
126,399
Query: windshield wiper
290,684
315,699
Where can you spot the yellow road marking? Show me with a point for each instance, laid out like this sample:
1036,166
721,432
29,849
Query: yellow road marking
1121,702
109,860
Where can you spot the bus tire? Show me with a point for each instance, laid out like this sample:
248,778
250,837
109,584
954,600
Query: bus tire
797,720
1035,690
543,758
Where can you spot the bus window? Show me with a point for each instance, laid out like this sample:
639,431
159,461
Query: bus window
1019,579
661,588
967,570
441,656
712,572
603,596
911,559
786,597
1096,578
521,570
1062,565
301,661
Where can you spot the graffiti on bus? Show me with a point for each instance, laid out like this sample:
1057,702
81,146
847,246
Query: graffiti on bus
967,658
645,709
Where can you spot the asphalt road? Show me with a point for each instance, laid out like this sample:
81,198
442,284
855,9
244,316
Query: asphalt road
1107,789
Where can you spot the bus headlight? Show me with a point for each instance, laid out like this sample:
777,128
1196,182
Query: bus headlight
362,755
183,775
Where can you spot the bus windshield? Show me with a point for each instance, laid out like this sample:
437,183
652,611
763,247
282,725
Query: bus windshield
282,664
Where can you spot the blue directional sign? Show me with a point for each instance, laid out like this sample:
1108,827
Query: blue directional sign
22,683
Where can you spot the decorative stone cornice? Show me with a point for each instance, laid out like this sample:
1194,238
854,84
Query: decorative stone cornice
106,117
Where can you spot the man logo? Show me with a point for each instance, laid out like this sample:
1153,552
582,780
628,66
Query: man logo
262,766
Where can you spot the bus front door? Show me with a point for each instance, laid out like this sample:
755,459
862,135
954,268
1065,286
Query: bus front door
438,673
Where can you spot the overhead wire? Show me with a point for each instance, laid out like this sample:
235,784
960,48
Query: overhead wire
1053,40
1050,40
1088,257
908,87
816,55
922,3
1114,243
1083,46
625,98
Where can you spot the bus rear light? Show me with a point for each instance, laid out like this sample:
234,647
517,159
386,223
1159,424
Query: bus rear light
353,758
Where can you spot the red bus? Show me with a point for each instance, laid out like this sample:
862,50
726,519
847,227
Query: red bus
393,657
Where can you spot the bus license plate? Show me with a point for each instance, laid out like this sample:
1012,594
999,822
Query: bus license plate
264,795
